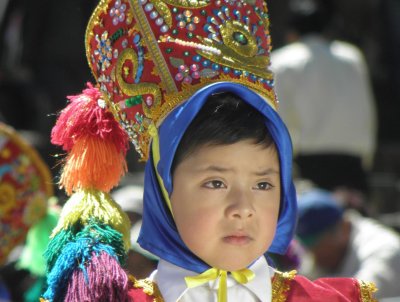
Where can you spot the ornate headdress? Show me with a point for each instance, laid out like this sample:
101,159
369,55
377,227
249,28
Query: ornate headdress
155,63
148,56
25,186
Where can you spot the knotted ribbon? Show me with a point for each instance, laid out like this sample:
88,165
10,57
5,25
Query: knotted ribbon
241,276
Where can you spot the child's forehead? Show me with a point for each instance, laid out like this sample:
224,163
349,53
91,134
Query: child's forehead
221,152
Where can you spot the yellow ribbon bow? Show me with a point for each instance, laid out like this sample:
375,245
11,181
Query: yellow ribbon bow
242,276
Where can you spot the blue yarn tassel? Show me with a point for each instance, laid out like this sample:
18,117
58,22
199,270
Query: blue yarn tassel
73,256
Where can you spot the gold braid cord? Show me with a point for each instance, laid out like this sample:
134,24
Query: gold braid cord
281,285
148,287
367,290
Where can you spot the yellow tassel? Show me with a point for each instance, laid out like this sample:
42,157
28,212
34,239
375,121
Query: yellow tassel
89,204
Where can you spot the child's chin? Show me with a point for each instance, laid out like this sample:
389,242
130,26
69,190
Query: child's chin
232,266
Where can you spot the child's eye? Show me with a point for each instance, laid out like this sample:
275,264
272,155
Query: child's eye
215,184
264,186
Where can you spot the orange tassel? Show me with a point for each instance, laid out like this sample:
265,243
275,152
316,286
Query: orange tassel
93,163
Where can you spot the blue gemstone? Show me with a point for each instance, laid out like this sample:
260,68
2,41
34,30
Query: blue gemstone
215,66
206,63
226,69
196,58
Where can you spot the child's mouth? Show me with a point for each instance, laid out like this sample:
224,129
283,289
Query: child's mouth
237,239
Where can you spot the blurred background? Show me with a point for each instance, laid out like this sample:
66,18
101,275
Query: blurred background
42,60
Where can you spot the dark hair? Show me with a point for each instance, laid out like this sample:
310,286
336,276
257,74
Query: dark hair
223,120
310,16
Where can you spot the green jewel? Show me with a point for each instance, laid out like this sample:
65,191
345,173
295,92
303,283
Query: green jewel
175,10
240,38
190,35
175,31
186,53
168,50
136,100
203,12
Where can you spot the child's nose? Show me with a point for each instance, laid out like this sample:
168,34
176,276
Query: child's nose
240,205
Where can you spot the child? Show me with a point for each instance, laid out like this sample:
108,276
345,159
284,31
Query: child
189,83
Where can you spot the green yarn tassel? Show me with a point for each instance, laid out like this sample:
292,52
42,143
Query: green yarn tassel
89,204
99,232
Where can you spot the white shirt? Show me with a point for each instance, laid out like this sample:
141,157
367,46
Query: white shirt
373,255
325,98
170,280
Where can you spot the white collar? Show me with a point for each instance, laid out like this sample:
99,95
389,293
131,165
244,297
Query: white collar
170,280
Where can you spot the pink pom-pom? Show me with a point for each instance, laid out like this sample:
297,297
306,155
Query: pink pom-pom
84,117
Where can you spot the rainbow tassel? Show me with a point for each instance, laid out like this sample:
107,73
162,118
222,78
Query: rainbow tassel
89,244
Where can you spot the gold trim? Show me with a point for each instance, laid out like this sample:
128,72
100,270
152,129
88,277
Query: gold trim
33,155
281,285
189,3
149,288
173,100
148,36
367,290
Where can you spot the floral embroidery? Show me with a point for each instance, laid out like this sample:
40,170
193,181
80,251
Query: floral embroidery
103,51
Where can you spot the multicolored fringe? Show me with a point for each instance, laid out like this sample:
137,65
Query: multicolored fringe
88,247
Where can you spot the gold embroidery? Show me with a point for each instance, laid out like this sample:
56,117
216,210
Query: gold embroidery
367,290
149,288
156,55
136,89
281,285
247,46
163,10
188,3
174,99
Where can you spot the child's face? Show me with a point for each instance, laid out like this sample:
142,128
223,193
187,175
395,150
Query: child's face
226,202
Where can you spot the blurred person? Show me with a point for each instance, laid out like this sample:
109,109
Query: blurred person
25,187
343,243
327,102
140,262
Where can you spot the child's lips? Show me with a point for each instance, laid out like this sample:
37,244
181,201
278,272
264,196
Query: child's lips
237,239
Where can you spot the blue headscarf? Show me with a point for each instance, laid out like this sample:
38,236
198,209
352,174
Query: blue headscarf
159,234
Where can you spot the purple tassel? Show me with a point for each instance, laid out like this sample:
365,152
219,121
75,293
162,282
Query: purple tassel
102,280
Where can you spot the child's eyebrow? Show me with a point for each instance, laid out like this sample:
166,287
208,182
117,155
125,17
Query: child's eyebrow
214,168
266,172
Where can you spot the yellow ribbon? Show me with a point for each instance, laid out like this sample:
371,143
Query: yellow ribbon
241,276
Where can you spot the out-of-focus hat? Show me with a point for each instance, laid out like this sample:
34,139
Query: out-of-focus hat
318,212
25,186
